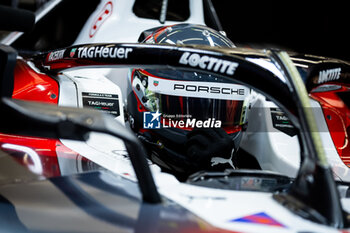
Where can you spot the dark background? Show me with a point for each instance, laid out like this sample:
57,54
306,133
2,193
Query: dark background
314,27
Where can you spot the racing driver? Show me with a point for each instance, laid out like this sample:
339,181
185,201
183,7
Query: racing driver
188,121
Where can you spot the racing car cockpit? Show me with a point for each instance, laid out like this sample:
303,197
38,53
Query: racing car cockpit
301,197
189,101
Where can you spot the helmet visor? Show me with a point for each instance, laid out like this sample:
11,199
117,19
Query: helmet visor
181,94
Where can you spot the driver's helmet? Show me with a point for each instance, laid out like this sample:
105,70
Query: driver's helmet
165,106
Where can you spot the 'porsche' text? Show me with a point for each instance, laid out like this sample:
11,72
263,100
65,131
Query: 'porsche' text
207,89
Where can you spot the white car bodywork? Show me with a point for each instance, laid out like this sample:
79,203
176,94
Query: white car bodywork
120,24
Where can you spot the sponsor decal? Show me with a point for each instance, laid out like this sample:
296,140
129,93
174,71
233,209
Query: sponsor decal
208,63
197,197
259,218
103,52
281,122
151,120
101,18
329,75
108,103
72,52
208,90
53,56
217,160
251,183
156,120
